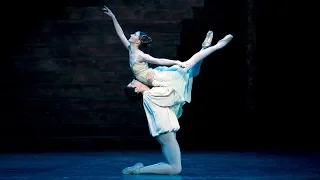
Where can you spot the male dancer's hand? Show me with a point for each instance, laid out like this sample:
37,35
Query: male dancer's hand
108,12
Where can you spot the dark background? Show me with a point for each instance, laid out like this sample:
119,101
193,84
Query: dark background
64,69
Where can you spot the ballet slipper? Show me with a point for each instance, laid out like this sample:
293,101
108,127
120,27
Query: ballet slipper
132,169
207,42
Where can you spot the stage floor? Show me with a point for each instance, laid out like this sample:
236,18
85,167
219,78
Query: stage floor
196,165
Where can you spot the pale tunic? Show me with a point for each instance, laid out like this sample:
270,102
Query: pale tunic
163,108
163,103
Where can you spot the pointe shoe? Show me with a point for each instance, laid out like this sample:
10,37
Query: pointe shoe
227,38
132,169
221,43
207,42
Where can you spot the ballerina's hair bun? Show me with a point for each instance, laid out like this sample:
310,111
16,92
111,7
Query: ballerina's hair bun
145,39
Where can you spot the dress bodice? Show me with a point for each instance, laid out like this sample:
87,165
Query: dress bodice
140,71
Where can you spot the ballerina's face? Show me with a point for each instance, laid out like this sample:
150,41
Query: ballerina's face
134,38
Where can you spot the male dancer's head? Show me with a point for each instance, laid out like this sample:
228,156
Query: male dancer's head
134,90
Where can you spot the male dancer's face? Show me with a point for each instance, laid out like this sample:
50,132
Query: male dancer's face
138,86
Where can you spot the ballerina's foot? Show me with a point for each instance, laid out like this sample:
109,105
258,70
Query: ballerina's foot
132,169
227,38
224,41
207,42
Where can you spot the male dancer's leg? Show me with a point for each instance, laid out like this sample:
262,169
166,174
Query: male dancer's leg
171,151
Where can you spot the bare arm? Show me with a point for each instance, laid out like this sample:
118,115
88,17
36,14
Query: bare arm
120,33
160,61
117,27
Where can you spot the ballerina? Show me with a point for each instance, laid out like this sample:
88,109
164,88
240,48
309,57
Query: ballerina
138,60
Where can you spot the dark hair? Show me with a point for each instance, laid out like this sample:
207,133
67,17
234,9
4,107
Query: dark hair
145,40
131,94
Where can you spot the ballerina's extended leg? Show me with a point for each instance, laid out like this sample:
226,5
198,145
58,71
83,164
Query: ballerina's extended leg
195,70
205,52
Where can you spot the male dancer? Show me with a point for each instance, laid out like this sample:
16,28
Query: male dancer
163,107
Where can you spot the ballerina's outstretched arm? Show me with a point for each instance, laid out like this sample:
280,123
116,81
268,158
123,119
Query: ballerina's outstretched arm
117,27
160,61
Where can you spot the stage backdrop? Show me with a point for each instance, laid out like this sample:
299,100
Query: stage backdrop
65,70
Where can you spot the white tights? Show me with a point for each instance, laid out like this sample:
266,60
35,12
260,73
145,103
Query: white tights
203,53
171,151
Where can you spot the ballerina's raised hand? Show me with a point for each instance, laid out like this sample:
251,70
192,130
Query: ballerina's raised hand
107,11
